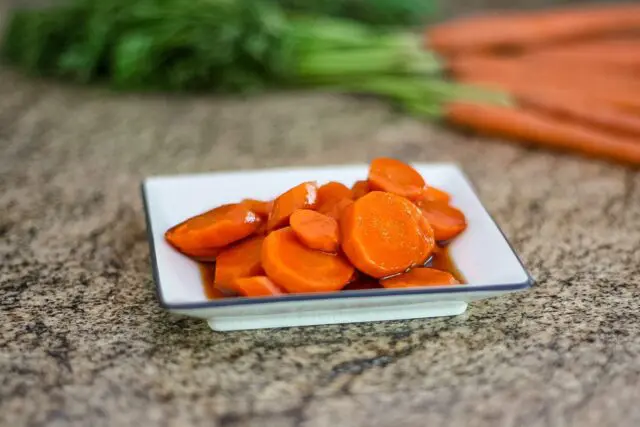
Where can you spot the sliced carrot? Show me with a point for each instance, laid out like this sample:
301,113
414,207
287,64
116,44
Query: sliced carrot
297,268
261,208
385,234
335,209
262,229
447,222
200,235
421,276
332,198
396,177
303,196
240,260
332,192
315,230
359,189
215,293
202,255
256,286
433,194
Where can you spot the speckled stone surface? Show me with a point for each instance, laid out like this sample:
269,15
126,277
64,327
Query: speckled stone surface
84,343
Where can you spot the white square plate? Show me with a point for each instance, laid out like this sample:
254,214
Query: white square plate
482,254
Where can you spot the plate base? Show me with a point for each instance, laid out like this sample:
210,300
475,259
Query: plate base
346,315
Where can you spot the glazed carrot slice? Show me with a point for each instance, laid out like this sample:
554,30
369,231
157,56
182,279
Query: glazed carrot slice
296,268
204,255
335,209
261,208
433,194
332,192
240,260
315,230
385,234
421,276
447,222
359,189
256,286
199,235
396,177
262,229
303,196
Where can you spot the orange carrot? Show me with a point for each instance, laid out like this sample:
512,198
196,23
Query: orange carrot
315,230
262,229
396,177
447,222
617,54
557,73
199,236
421,276
240,260
558,89
332,198
433,194
584,111
546,131
335,209
385,234
261,208
332,192
297,268
256,286
303,196
202,255
359,189
525,30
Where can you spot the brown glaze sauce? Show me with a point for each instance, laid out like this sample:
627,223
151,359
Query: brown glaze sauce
440,260
207,272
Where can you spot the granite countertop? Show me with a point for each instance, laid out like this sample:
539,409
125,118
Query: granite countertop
84,343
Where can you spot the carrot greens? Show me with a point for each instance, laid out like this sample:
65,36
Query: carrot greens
207,45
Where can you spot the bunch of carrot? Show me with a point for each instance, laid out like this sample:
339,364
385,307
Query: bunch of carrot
385,231
571,77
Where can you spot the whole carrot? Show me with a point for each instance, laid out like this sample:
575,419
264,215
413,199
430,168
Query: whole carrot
586,111
523,30
525,69
580,100
518,125
620,54
621,99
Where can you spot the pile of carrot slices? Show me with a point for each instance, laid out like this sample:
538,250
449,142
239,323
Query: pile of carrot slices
381,232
